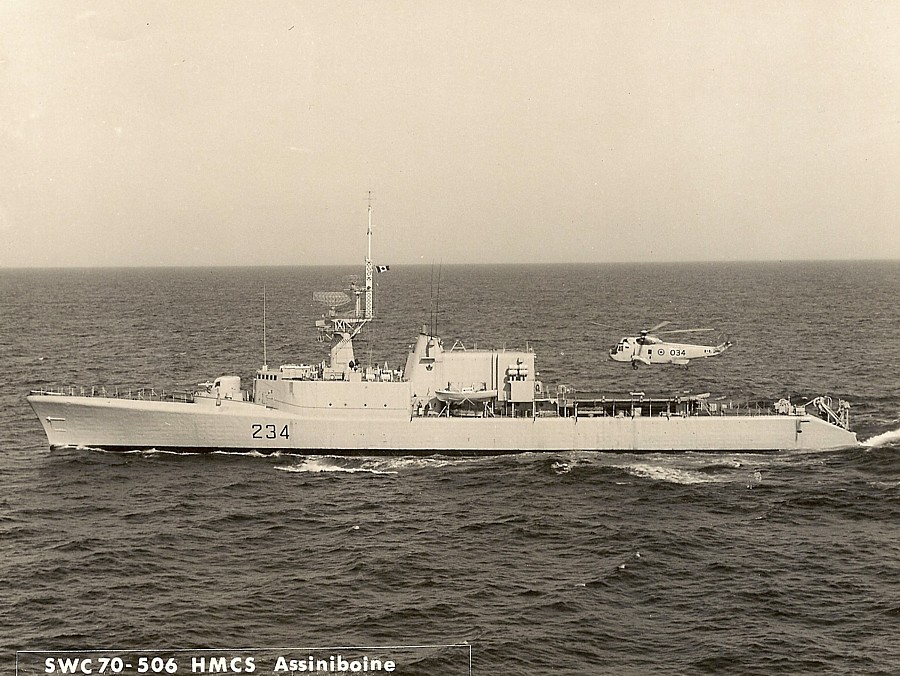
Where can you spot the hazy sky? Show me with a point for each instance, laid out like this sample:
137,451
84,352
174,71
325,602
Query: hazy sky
245,133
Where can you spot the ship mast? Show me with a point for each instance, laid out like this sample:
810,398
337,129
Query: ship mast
369,267
346,327
265,349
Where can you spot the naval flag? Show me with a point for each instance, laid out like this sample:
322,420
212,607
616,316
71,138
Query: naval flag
382,268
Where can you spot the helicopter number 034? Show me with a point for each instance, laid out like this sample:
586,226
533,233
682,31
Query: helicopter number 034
649,349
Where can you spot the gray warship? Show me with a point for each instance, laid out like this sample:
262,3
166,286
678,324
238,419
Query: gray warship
443,401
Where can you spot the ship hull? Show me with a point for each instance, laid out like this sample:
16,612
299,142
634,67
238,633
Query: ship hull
226,425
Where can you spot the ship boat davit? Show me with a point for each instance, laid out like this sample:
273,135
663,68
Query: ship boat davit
444,401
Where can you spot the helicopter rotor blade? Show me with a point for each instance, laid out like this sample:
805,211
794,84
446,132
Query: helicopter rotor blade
662,333
658,326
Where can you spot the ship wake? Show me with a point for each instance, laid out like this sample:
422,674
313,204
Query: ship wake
372,465
327,465
883,439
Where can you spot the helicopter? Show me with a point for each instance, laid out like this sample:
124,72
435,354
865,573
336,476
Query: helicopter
649,350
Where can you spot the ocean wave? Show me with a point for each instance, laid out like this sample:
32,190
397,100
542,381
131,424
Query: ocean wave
884,485
673,475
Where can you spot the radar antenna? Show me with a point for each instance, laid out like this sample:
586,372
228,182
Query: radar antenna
331,299
349,325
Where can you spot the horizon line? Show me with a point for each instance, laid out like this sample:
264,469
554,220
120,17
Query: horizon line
176,266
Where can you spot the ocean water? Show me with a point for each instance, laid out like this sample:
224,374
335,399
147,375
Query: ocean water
564,563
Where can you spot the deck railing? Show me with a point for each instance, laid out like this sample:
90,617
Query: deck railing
142,393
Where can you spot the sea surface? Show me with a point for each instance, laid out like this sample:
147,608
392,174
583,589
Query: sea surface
563,563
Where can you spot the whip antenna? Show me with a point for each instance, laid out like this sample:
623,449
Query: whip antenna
431,300
265,354
437,302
